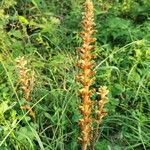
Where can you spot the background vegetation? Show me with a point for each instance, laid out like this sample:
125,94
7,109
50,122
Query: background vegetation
46,33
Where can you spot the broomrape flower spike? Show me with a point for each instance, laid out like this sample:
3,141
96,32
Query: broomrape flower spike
26,81
86,75
103,100
100,113
86,78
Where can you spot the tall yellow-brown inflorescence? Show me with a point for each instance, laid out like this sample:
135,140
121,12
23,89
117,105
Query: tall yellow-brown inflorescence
86,75
103,92
100,112
26,79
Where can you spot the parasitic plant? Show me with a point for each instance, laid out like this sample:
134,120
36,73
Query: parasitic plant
86,75
101,103
86,78
26,79
100,112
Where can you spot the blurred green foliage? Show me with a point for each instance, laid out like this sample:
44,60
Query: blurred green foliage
47,33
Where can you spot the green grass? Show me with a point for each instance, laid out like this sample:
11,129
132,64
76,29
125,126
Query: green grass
46,33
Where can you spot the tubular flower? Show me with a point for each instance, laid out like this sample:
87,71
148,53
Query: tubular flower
103,94
26,81
100,112
86,78
86,75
